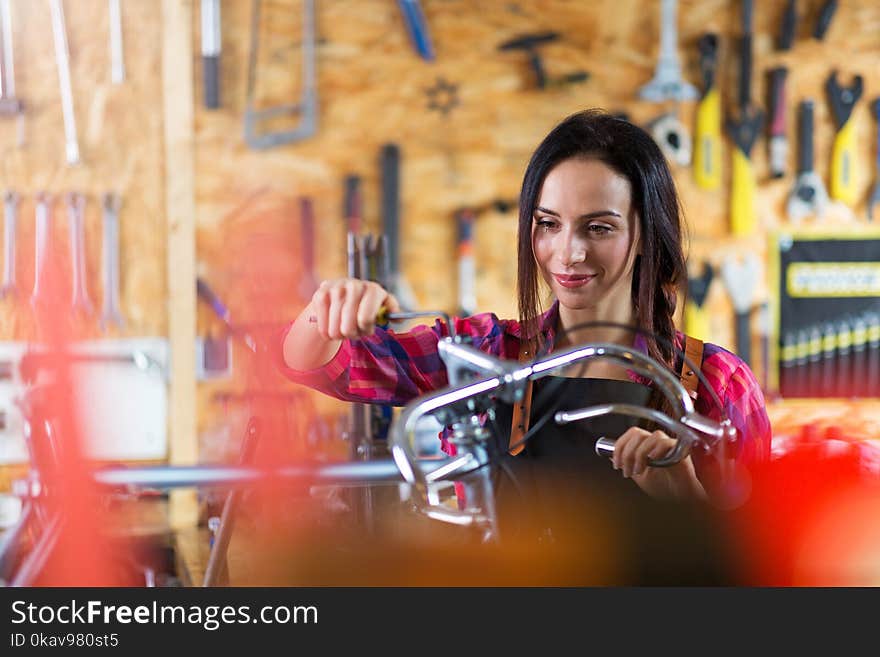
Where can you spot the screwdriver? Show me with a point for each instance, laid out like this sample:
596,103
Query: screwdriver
383,316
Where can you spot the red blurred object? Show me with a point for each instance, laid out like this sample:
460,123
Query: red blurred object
813,510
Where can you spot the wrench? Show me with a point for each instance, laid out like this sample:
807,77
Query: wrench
741,281
9,104
808,196
62,59
667,83
81,302
111,313
10,216
43,219
117,61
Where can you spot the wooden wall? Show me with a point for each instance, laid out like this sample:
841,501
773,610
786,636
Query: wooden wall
372,90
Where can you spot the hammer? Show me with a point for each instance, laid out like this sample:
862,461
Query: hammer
529,43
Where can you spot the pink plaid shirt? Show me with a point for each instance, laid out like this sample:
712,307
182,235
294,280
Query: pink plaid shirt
394,368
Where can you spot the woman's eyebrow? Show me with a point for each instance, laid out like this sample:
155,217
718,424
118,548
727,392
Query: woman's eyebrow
589,215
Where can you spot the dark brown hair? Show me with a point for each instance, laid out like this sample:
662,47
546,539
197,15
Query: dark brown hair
631,152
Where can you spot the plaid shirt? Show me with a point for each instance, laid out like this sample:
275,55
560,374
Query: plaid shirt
394,368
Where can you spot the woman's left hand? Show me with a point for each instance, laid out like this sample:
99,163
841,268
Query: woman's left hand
631,454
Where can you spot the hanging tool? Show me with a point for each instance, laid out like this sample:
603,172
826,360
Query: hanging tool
529,43
117,60
696,319
808,196
744,130
62,59
788,26
741,281
814,362
212,40
9,104
778,140
872,378
111,313
707,154
417,28
80,301
306,109
308,282
764,333
829,359
204,291
390,166
844,186
467,287
844,358
874,197
672,139
353,204
43,244
826,13
859,356
10,220
667,83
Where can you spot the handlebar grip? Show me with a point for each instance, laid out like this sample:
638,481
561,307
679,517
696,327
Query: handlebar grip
605,447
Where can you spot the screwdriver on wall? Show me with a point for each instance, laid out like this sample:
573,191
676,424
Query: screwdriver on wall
211,41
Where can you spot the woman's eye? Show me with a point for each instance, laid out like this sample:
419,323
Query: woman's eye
599,229
546,224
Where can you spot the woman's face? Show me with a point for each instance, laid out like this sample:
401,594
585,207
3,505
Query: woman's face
585,238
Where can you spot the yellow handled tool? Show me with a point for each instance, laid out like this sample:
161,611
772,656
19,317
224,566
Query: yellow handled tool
844,179
744,131
707,142
696,317
742,196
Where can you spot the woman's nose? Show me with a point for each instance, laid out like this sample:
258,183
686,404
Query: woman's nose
572,250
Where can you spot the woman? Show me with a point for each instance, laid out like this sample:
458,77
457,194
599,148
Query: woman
600,224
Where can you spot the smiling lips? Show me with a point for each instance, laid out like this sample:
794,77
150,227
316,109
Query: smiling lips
573,281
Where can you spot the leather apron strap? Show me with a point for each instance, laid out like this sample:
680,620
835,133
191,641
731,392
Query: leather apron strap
522,410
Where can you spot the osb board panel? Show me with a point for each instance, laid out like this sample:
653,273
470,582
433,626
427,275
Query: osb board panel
120,141
372,89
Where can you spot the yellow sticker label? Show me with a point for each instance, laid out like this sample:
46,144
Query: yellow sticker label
833,279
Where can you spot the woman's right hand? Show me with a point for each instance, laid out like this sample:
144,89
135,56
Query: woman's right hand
348,307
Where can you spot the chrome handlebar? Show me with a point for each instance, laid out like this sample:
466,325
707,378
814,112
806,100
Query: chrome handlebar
507,380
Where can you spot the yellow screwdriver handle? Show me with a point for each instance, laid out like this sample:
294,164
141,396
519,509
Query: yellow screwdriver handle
696,321
843,166
707,144
742,196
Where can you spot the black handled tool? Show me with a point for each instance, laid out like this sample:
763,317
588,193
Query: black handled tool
844,186
211,45
390,165
808,196
744,130
788,26
778,142
874,197
696,319
530,43
824,20
308,282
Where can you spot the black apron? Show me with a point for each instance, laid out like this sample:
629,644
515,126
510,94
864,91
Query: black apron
558,476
